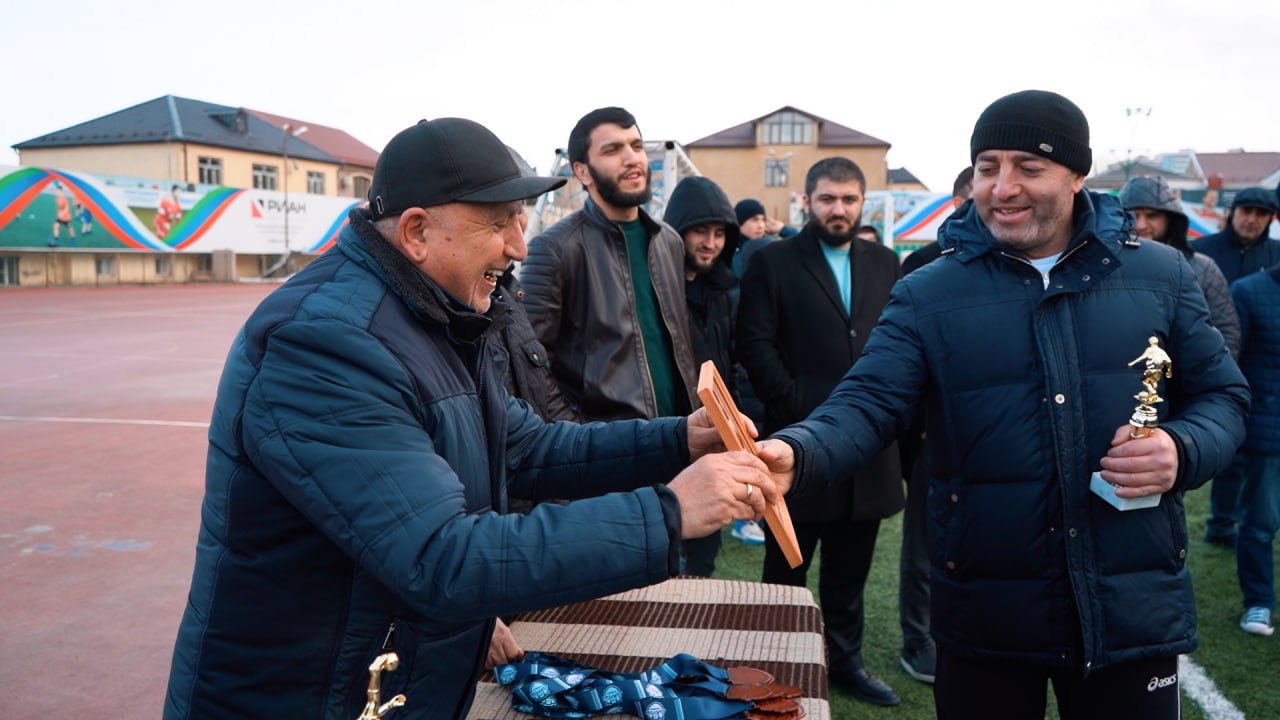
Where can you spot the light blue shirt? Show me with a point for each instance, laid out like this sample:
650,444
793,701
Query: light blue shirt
1045,264
838,259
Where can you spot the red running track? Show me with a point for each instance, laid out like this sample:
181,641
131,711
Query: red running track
105,397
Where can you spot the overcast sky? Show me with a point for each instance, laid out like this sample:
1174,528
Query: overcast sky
915,74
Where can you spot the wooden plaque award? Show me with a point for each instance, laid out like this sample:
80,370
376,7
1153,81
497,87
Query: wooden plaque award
715,396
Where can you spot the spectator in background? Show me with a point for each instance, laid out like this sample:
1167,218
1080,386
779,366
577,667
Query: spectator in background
604,287
526,374
1158,215
758,230
700,211
1257,299
1244,246
808,304
1241,249
871,234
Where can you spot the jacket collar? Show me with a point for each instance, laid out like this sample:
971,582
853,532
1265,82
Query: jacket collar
429,302
596,216
1095,216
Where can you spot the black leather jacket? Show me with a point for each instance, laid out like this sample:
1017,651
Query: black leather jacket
579,297
527,374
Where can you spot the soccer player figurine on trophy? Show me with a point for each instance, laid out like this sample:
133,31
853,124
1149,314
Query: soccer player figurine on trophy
1157,364
375,709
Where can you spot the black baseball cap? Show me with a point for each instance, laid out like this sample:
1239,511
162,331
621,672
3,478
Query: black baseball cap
448,160
1255,197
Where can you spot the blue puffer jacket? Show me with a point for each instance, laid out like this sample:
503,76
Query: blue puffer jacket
358,450
1257,300
1025,387
1235,259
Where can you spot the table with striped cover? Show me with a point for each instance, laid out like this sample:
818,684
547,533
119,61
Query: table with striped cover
776,628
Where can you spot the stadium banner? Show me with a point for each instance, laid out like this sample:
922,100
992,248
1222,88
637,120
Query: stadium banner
54,209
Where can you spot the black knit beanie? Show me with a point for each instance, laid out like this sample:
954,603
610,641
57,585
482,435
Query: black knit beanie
1035,121
747,209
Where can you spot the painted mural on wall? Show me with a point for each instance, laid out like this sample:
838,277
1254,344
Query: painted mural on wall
914,218
44,208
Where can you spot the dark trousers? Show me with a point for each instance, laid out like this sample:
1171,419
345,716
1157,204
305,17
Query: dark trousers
700,555
1012,690
913,569
847,549
1224,501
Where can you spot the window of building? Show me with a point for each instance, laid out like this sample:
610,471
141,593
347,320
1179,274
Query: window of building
788,128
362,186
164,265
210,171
8,270
775,172
315,182
265,177
204,263
106,266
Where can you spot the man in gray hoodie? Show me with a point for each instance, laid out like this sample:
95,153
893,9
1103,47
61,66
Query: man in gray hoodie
1158,215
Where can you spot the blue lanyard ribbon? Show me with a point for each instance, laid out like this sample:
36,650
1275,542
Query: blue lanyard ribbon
680,688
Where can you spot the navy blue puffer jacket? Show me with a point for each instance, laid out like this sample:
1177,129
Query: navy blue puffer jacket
1257,299
360,445
1025,387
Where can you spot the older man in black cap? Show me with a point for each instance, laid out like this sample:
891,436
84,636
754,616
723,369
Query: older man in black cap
362,449
1020,341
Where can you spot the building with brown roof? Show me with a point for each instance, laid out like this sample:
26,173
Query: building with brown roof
766,158
192,142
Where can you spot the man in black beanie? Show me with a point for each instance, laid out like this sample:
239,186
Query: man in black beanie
758,230
1020,342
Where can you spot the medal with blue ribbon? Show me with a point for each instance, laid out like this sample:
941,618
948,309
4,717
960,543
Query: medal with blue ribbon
680,688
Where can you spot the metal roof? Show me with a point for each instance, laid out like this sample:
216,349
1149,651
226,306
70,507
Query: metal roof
176,119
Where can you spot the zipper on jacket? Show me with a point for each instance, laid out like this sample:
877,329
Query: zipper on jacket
389,640
1045,275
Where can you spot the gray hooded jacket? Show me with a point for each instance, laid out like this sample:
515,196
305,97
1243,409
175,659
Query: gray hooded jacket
1151,191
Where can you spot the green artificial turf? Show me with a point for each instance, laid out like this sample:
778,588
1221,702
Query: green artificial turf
1246,669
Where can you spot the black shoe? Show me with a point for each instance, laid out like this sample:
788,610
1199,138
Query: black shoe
864,686
920,663
1223,541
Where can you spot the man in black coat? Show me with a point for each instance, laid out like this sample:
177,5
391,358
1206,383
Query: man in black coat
807,305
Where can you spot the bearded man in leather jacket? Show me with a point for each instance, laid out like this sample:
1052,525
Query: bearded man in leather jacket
604,288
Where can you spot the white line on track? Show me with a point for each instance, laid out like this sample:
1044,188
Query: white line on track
1200,687
103,421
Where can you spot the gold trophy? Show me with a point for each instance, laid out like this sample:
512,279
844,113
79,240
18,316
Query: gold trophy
1156,364
375,708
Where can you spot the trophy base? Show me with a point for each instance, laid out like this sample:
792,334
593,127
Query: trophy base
1107,491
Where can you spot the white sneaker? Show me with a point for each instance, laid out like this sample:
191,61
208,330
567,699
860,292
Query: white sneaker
1257,621
748,532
